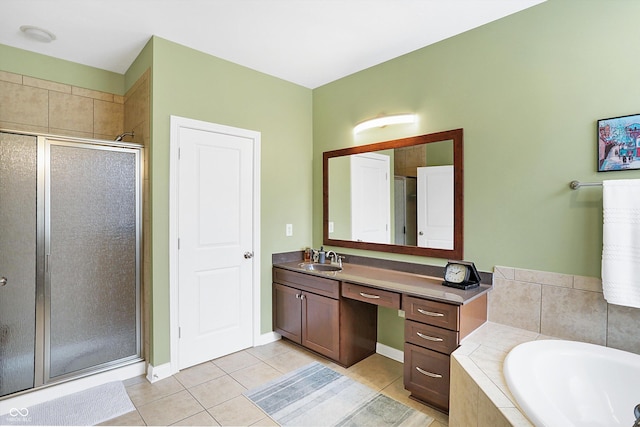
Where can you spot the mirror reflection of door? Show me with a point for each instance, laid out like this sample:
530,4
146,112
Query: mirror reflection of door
370,198
406,156
405,210
435,207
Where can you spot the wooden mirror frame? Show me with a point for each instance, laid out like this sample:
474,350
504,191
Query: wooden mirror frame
457,252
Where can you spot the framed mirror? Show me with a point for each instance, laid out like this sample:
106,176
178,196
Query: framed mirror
402,196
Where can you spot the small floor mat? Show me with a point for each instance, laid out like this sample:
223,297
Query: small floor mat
316,395
84,408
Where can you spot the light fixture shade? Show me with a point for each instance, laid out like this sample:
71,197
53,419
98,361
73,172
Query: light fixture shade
384,121
38,34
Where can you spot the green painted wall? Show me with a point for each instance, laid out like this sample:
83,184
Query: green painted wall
142,63
527,90
191,84
46,67
439,153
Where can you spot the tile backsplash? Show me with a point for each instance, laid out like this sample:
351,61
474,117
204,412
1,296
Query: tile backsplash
562,306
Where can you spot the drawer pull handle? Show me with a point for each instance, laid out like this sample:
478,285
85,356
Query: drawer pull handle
427,337
427,373
369,296
430,313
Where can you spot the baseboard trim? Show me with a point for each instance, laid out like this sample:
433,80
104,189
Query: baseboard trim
390,352
53,391
157,373
267,338
384,350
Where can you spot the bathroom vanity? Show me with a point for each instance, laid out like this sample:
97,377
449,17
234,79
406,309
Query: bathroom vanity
335,314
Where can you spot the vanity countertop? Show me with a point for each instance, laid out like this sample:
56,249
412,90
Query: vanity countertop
398,281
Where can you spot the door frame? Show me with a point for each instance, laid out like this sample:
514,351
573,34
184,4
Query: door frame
177,122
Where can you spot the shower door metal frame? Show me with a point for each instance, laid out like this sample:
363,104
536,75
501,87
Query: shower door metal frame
42,307
44,233
40,267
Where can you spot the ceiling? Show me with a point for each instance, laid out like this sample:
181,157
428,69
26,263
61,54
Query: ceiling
307,42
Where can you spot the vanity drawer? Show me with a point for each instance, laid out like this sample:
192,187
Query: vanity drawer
371,295
426,375
431,337
307,282
432,312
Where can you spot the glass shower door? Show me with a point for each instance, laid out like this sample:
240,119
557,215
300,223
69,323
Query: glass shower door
18,237
92,247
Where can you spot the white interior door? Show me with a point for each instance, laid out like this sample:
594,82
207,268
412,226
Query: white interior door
215,230
435,207
370,198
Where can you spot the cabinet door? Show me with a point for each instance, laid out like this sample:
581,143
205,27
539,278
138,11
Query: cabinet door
321,325
287,312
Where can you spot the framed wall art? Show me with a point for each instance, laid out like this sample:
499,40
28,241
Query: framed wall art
619,143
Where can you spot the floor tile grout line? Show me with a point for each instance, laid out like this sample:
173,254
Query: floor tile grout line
352,373
155,400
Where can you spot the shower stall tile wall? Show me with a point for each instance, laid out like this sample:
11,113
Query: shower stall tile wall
43,106
26,108
70,246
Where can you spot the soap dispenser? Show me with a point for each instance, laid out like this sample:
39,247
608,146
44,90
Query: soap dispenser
321,255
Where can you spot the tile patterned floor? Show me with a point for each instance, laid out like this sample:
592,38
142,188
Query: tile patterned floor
210,394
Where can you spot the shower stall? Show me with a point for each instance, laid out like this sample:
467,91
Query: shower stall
70,237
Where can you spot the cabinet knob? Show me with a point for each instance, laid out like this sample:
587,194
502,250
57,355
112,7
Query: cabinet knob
3,281
248,255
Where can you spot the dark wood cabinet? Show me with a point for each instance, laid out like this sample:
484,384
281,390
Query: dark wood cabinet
426,375
321,325
308,310
287,312
433,330
338,319
371,295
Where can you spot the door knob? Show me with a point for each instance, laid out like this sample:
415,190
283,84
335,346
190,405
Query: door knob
248,255
3,281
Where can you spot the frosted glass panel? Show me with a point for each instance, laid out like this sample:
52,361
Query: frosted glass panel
18,179
92,235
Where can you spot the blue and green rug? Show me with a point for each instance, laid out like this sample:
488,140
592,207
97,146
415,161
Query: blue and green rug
315,395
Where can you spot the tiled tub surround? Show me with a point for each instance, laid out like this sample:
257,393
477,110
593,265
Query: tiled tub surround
563,306
526,305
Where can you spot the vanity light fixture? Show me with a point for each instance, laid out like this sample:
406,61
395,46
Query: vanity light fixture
37,33
379,122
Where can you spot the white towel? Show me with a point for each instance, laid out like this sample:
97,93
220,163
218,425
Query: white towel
621,242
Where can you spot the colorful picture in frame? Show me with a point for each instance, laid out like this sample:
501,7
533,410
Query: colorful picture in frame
619,143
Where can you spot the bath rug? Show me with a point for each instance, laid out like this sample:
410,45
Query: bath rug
315,395
84,408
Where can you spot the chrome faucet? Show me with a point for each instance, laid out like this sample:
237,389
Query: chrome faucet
335,258
636,413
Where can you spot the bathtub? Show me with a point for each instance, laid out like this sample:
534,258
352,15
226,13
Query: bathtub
567,383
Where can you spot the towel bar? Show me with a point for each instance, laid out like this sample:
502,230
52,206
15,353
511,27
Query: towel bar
574,185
